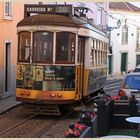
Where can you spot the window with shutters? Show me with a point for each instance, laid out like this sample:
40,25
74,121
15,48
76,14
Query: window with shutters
125,35
138,38
8,10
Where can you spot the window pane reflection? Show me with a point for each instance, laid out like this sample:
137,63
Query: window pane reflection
124,35
24,46
65,47
43,46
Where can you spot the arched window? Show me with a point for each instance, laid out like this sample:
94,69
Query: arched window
125,35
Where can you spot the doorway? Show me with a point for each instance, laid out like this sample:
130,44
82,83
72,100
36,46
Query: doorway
80,60
110,64
7,66
123,62
137,60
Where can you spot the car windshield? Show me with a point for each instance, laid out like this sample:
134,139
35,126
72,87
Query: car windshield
132,82
137,70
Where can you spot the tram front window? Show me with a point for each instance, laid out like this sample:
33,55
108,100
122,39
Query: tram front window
24,46
65,47
43,46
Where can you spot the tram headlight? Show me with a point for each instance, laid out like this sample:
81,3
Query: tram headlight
28,93
59,94
25,93
22,93
53,95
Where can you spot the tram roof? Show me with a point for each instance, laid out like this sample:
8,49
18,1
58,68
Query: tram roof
57,20
50,19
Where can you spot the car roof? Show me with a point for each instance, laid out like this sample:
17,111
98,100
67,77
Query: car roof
133,73
138,66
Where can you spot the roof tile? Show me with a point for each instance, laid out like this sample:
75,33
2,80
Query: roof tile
124,6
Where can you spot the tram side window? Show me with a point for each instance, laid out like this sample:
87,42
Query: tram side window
81,44
43,46
65,47
24,46
92,52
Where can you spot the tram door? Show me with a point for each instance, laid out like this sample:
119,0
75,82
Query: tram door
80,71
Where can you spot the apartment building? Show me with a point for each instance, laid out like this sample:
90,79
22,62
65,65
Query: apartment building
9,17
125,40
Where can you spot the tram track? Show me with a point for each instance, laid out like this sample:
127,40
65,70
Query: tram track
44,131
11,117
35,126
57,131
28,129
15,125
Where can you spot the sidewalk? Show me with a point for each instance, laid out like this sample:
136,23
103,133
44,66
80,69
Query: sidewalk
8,103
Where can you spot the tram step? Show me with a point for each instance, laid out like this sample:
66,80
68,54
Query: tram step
42,109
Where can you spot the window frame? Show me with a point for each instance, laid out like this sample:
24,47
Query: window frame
99,53
65,62
125,35
137,59
138,38
19,60
33,55
8,10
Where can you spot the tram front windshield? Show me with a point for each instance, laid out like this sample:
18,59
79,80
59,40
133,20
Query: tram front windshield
40,57
42,47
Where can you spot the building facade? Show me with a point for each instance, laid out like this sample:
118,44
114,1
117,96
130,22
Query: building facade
9,16
124,43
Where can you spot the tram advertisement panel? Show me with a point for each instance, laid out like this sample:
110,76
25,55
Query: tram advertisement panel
58,78
38,73
19,72
96,79
47,77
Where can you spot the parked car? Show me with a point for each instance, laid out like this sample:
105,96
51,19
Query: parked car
130,85
137,69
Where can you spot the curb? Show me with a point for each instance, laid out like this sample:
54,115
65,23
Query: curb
9,107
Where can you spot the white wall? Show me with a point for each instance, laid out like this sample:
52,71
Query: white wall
118,48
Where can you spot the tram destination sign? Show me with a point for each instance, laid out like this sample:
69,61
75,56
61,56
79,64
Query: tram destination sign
47,9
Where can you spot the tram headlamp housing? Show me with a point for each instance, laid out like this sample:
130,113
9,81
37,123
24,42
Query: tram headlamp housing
28,93
53,94
25,93
59,94
22,93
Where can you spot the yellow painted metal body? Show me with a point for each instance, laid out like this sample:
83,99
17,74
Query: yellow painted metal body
55,96
44,95
64,96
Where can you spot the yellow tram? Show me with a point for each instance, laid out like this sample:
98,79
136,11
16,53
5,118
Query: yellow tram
62,58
